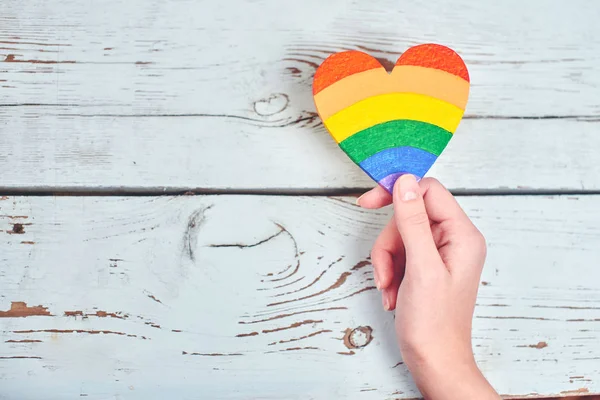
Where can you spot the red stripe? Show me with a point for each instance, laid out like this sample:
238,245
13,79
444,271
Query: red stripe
435,56
340,65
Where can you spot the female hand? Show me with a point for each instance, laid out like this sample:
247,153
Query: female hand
427,263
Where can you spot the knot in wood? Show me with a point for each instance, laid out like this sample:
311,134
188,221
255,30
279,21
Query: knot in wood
272,105
18,229
359,337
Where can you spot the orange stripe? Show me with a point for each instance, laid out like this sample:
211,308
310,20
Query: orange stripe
435,56
340,65
403,79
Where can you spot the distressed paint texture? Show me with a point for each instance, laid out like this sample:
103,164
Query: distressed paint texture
272,297
228,102
258,304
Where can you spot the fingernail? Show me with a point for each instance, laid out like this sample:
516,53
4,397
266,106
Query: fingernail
358,200
407,187
386,302
377,284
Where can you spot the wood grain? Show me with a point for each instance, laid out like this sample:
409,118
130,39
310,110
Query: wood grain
272,297
55,151
149,94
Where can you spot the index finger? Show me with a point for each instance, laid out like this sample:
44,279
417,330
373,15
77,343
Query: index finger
377,197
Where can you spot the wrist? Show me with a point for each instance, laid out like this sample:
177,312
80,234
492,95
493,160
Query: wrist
441,366
438,357
449,376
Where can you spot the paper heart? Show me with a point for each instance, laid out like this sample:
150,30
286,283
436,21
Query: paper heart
397,123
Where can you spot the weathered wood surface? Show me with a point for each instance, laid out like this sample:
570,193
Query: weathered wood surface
251,297
188,94
272,297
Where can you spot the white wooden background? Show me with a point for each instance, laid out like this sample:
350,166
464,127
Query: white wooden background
263,295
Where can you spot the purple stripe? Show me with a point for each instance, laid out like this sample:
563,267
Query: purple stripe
389,181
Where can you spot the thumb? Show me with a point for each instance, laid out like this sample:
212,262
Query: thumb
413,222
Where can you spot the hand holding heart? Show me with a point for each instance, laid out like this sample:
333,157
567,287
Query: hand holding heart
427,262
428,259
398,123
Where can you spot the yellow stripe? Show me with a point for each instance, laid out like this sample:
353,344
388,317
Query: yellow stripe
388,107
403,79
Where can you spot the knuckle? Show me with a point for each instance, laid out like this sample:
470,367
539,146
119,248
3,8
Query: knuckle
416,219
478,241
431,181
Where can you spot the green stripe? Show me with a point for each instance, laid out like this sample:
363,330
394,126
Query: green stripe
404,132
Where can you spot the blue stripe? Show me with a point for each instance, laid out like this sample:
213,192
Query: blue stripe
398,159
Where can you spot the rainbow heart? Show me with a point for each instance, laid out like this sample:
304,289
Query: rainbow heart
397,123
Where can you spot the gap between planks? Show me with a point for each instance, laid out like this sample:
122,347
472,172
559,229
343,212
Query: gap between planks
581,117
179,191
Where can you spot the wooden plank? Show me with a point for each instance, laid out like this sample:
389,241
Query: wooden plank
252,296
91,99
204,57
198,153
